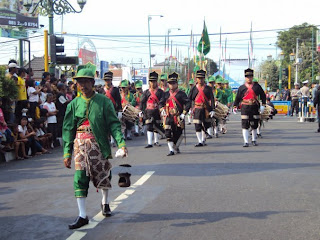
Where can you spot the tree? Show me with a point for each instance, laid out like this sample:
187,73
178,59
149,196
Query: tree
270,71
287,42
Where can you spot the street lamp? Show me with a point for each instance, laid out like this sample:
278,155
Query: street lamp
169,31
291,57
51,7
149,18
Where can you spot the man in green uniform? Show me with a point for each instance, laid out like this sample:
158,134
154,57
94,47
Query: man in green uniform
127,98
164,82
190,113
89,120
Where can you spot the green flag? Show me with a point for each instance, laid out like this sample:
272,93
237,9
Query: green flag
204,43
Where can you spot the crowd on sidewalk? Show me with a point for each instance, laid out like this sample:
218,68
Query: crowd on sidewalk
32,122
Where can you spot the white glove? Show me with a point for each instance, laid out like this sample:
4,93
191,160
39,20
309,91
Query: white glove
262,109
234,110
119,115
182,116
163,113
120,153
140,114
211,114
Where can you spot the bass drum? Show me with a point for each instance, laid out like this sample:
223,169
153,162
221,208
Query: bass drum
130,113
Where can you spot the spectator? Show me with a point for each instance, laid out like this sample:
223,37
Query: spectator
43,95
274,110
29,135
22,92
29,74
33,94
42,135
7,139
13,70
295,95
61,104
19,144
52,118
45,78
277,95
53,85
69,94
63,78
286,94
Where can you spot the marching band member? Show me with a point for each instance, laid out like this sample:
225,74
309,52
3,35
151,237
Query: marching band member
247,96
203,99
163,84
88,120
113,94
190,114
211,83
138,96
150,106
127,98
177,104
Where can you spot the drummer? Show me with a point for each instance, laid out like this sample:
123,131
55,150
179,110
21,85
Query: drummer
138,95
127,98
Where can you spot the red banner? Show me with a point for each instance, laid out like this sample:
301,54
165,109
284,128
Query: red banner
86,56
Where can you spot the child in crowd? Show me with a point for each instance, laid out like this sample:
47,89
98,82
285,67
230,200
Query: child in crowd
6,134
41,133
43,95
52,118
19,144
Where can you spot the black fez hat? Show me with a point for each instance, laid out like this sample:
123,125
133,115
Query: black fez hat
173,77
153,76
248,72
108,75
201,73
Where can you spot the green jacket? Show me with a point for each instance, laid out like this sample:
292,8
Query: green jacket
229,95
129,98
103,120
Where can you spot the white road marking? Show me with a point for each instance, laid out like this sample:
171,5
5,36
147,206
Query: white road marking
78,234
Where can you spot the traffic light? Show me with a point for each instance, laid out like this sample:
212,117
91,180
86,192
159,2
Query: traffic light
56,49
285,72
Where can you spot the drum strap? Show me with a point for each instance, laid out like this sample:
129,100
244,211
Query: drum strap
108,94
201,95
153,95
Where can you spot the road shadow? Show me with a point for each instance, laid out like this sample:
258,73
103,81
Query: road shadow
34,226
215,169
192,219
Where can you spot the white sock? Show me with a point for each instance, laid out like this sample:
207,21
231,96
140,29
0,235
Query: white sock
136,127
203,136
210,131
112,140
215,130
82,207
170,145
245,133
199,136
144,128
156,137
258,130
150,137
128,133
254,134
104,196
189,119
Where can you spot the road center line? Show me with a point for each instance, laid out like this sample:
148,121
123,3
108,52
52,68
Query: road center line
78,234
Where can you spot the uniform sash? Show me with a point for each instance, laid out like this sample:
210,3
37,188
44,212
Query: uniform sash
108,94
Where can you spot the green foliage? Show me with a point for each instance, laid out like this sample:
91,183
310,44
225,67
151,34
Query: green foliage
8,88
270,72
287,42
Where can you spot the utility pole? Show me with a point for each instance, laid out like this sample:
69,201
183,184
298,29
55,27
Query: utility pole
312,55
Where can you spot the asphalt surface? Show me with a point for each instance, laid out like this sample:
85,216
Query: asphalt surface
221,191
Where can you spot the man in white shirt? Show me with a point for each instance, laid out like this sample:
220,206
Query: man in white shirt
33,95
52,119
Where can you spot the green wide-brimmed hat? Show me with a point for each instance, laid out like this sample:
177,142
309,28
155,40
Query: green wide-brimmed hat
191,81
163,76
138,84
124,83
211,79
255,80
86,71
226,81
219,79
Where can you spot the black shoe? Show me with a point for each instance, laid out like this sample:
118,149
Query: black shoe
178,150
254,143
136,134
209,136
105,209
79,222
157,144
189,123
259,135
246,145
129,138
199,145
204,143
170,153
216,135
142,133
148,146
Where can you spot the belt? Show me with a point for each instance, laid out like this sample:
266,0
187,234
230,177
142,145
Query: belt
249,102
84,135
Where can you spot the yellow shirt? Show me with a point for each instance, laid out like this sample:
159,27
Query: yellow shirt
22,91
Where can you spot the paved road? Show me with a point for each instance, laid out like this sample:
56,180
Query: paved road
221,191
